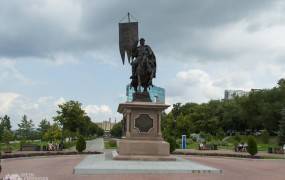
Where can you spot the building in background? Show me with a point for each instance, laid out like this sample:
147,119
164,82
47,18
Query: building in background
157,94
106,125
230,94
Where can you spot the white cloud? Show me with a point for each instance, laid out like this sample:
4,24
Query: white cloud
94,109
98,112
45,99
193,85
9,72
6,101
59,101
244,54
16,105
62,58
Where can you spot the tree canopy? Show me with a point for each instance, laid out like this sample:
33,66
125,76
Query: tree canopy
26,128
260,110
73,118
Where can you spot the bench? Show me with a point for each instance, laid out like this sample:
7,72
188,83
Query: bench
30,147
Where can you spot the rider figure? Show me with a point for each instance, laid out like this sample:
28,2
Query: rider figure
139,53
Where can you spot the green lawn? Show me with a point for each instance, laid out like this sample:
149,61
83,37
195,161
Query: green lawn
16,146
110,144
229,143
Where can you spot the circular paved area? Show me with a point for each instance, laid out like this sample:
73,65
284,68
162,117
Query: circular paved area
61,167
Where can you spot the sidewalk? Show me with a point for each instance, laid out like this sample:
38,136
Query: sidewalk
92,145
227,153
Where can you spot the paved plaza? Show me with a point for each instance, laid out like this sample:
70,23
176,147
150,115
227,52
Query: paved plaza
61,167
92,145
101,164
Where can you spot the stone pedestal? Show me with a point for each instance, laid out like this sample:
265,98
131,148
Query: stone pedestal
142,132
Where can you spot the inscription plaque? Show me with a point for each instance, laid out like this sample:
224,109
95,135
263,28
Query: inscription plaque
144,123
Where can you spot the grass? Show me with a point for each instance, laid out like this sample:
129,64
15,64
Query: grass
70,144
16,145
110,144
260,145
229,143
90,138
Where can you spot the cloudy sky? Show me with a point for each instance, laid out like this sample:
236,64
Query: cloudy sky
52,51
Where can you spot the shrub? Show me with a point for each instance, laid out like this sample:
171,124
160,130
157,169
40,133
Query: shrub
237,138
206,136
220,134
112,143
80,144
252,146
172,143
178,143
69,144
281,133
117,130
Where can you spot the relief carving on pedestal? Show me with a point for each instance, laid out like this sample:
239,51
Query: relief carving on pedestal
144,123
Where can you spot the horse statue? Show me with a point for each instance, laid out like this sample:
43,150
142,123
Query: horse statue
143,67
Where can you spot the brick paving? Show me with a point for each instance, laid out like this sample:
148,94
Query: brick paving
61,167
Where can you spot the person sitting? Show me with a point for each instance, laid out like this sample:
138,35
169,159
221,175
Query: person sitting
239,148
201,146
245,147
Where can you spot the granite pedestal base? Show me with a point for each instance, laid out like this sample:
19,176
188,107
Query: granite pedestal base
147,150
142,132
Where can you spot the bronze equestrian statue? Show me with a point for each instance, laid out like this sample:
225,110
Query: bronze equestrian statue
140,57
143,66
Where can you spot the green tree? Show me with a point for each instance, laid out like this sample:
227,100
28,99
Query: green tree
43,127
1,133
232,116
281,134
252,146
6,123
281,82
260,110
93,129
53,133
237,138
116,130
168,130
265,137
7,137
26,128
71,116
100,131
89,128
